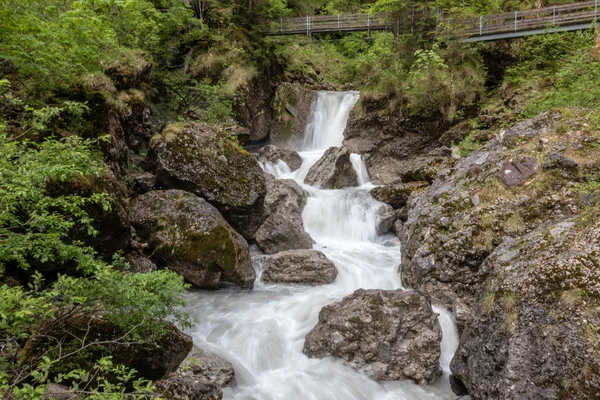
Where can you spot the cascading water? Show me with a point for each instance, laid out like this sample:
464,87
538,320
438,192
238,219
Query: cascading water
261,332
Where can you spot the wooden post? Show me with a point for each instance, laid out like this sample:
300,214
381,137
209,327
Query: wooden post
338,22
516,12
280,24
369,26
554,16
480,25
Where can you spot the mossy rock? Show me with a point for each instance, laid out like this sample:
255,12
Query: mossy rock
196,158
189,236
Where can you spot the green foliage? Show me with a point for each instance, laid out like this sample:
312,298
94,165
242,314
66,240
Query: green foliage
33,224
468,145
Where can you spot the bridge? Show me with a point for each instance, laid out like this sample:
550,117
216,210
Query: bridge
560,18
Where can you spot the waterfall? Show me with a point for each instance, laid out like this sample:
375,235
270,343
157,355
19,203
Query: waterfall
261,332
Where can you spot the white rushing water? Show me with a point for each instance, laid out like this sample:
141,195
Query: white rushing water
261,332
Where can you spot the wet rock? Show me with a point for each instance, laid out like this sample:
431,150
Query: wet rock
387,219
306,267
285,197
253,105
201,376
333,171
516,173
397,195
196,158
280,234
535,322
273,154
391,335
293,106
189,236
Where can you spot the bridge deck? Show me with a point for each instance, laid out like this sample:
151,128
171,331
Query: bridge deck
566,17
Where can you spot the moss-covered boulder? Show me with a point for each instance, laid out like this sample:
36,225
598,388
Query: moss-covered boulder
196,158
189,236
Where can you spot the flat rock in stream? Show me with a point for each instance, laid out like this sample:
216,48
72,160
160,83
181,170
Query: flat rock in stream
306,267
333,171
273,154
390,334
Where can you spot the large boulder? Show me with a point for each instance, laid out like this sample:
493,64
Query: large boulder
283,229
306,267
189,236
201,376
196,158
293,105
333,171
535,333
278,233
391,335
273,154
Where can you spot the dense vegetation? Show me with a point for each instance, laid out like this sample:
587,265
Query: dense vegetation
65,66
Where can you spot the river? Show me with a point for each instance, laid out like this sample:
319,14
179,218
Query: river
261,332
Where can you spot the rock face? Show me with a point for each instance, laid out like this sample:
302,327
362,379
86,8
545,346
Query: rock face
536,332
195,158
389,142
283,229
202,376
279,234
391,335
333,171
453,225
306,267
293,106
189,236
273,154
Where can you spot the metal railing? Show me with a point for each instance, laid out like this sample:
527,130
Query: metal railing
574,14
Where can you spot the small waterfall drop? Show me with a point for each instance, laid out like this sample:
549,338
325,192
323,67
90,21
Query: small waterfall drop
261,332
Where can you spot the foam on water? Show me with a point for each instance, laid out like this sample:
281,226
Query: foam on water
261,332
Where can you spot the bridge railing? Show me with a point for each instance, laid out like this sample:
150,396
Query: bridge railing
327,23
540,18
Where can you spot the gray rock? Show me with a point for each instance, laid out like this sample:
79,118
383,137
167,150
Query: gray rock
397,195
140,263
306,267
387,219
535,324
273,154
516,173
197,159
391,335
189,236
202,376
280,234
333,171
284,197
142,183
558,161
59,392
